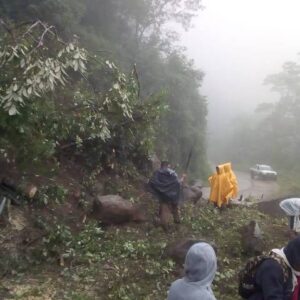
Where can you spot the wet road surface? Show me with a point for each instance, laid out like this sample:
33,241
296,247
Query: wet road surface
259,190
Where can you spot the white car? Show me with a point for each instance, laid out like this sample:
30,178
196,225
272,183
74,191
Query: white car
263,172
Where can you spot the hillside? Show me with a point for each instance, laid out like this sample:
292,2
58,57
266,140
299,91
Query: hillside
58,251
91,93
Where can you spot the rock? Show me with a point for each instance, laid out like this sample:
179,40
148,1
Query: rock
98,188
77,193
257,231
192,193
241,203
155,162
251,239
113,209
17,219
178,250
30,191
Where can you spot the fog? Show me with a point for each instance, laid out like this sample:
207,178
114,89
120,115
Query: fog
237,44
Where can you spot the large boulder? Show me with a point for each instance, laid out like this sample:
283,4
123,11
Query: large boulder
192,193
251,239
155,162
113,209
178,249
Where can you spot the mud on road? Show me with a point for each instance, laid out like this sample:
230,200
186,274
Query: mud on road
261,190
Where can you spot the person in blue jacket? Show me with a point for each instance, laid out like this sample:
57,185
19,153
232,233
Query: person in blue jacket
200,269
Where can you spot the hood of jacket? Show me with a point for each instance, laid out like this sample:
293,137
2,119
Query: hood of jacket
292,253
200,264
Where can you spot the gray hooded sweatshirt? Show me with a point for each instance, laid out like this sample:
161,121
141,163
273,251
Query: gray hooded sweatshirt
200,269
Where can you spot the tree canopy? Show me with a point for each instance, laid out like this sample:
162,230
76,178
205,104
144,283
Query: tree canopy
74,48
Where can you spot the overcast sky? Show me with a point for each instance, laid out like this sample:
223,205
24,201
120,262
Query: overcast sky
237,43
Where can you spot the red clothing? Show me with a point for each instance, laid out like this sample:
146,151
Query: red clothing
296,292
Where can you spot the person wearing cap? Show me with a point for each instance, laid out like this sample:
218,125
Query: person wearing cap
200,269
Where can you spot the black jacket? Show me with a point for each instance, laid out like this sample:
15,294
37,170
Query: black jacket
269,276
270,282
165,185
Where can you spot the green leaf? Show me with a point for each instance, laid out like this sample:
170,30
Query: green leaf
12,111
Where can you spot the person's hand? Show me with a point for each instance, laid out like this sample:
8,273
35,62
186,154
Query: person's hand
183,177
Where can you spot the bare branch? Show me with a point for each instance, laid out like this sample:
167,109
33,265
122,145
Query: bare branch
31,27
47,29
137,79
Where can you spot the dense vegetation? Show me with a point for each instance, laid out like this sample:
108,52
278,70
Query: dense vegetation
61,88
89,89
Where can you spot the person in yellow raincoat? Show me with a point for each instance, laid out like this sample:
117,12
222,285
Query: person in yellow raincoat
221,188
230,174
214,186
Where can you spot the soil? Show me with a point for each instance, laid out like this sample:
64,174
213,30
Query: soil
128,262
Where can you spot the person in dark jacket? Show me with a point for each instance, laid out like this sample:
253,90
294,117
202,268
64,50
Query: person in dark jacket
166,186
272,284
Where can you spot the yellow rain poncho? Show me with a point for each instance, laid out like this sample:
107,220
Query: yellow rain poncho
214,187
230,174
221,187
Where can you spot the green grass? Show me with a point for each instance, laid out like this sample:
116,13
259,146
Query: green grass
129,263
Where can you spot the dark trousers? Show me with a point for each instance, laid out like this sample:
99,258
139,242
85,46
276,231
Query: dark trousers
292,221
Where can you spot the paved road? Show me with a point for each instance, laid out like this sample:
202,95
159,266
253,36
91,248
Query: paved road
261,190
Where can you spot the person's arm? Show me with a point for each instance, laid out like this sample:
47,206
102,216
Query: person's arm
271,280
183,178
174,174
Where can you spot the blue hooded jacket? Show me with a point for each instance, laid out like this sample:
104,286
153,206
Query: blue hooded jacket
200,269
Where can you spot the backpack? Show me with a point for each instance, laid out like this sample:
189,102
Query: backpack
247,284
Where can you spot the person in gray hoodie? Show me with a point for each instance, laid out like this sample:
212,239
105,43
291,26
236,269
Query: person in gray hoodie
200,269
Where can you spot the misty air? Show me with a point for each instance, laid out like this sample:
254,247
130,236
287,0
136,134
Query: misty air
149,149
